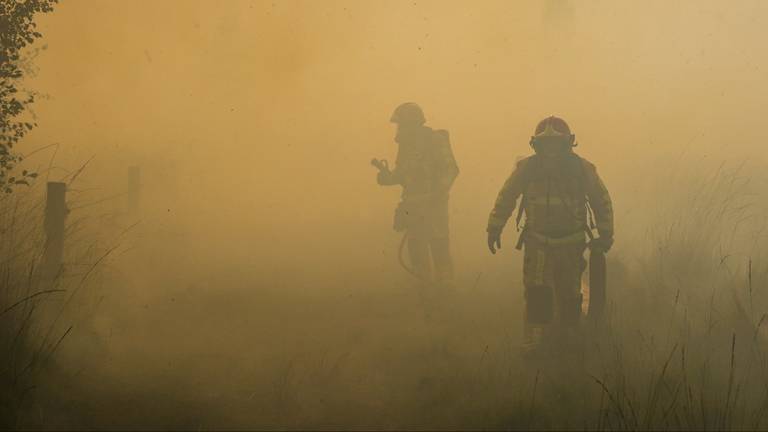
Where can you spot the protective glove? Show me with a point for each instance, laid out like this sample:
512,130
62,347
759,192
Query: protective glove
384,177
494,239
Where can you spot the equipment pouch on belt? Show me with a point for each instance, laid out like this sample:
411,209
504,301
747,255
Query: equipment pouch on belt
408,214
399,223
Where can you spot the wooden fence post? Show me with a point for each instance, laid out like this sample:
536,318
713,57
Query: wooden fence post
55,214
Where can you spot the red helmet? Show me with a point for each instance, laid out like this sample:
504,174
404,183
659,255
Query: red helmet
552,126
553,130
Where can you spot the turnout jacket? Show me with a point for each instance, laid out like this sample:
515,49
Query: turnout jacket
425,166
556,195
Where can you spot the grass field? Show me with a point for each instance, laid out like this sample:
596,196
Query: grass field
159,342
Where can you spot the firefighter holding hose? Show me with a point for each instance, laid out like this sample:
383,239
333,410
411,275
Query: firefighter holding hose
425,169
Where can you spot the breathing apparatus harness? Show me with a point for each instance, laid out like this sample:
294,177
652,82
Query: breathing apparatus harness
553,140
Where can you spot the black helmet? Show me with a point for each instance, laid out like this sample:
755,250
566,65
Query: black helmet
552,126
408,114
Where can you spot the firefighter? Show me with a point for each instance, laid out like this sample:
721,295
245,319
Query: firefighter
561,197
425,168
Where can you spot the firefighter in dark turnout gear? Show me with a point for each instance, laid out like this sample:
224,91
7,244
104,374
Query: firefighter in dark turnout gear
425,168
560,193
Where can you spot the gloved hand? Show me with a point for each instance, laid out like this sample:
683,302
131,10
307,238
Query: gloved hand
494,239
602,243
384,177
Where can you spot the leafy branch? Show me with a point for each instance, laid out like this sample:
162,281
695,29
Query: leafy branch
18,30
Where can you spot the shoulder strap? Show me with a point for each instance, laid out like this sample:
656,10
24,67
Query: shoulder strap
520,211
524,196
590,213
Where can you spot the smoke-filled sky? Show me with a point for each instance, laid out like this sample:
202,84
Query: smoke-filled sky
264,255
255,120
